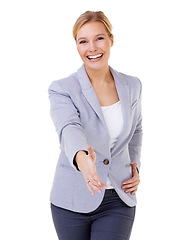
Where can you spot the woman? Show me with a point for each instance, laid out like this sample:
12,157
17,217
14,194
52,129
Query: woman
97,114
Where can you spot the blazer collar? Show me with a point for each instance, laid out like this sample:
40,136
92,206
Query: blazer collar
123,93
89,92
86,84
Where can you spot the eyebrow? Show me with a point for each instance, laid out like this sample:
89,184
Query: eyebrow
100,34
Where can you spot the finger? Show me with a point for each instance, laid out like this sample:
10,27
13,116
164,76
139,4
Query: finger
91,154
101,185
130,185
131,189
94,187
104,186
97,184
91,189
131,180
133,192
90,151
98,180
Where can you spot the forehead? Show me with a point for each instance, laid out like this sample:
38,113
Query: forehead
91,29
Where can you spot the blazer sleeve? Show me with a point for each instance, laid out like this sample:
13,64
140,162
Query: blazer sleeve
67,122
135,143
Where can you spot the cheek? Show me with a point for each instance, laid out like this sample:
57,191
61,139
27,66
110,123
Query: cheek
106,46
81,51
107,49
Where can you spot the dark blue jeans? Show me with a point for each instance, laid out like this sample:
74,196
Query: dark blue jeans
112,220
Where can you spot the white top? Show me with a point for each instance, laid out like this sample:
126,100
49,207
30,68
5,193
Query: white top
114,121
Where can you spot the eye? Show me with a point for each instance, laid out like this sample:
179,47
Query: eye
100,38
83,41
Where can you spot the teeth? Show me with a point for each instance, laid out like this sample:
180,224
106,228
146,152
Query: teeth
94,57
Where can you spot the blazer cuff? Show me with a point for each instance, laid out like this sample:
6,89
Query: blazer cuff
74,161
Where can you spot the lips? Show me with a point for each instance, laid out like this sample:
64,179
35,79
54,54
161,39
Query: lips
94,57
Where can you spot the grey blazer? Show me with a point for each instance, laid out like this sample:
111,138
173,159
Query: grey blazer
79,122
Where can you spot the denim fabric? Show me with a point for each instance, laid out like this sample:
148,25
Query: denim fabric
112,220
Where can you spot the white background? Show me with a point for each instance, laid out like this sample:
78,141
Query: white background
151,42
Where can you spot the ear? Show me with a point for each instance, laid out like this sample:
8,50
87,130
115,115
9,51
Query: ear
112,40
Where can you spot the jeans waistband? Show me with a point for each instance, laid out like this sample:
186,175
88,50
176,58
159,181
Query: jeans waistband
110,191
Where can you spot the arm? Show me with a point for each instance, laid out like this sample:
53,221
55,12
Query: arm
72,137
67,122
135,145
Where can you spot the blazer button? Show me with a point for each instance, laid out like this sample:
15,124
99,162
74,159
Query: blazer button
106,161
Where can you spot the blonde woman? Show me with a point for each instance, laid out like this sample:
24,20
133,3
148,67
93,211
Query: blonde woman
97,114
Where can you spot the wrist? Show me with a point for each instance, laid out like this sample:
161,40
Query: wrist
134,167
79,158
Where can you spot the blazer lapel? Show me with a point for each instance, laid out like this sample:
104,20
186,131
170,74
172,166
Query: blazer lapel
123,93
89,92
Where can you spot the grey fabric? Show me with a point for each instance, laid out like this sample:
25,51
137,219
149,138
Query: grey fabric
79,121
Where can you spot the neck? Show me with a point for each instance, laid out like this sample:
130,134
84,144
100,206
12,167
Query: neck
99,77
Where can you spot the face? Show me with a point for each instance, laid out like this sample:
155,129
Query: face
94,44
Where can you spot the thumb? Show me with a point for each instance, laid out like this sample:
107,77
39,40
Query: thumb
91,153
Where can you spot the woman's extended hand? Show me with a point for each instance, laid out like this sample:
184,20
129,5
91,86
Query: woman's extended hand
86,164
131,185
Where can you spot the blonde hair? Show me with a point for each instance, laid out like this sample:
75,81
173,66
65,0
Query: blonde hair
91,16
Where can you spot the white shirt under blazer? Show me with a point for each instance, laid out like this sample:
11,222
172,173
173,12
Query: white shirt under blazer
114,121
79,122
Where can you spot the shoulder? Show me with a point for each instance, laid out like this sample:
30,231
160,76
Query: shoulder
132,81
133,84
66,84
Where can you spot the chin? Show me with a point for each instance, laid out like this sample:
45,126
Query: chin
95,66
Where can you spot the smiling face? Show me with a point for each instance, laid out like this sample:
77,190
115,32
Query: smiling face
94,44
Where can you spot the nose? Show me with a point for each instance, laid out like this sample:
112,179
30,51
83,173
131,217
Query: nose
92,46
